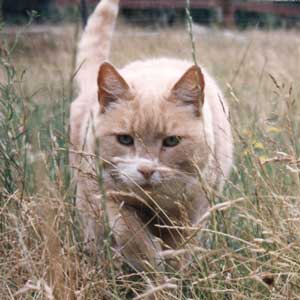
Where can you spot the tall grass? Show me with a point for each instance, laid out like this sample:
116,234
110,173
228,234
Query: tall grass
251,247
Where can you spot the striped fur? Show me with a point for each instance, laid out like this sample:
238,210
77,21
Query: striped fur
150,101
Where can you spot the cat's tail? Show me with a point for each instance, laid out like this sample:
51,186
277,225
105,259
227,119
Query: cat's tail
94,46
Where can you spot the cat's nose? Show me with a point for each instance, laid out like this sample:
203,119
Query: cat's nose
146,171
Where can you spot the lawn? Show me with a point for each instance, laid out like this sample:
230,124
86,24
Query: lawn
251,247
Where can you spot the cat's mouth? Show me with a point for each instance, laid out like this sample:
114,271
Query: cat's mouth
127,182
147,186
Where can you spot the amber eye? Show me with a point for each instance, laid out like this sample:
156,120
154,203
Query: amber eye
171,141
125,139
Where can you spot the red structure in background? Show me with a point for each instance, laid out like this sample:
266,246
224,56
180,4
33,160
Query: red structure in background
227,8
145,4
142,4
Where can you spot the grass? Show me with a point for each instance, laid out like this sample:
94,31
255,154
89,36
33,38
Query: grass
251,247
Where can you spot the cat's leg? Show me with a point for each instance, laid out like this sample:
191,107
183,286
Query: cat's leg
141,248
90,213
133,238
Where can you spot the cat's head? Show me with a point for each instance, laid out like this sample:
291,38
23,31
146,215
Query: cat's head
150,137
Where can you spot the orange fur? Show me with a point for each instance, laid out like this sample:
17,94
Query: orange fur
149,101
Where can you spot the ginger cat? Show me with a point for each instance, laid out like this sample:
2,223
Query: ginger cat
149,134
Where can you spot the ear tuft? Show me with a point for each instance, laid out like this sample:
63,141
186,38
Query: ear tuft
111,86
189,89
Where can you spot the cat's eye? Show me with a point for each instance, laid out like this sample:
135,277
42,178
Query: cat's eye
171,141
125,139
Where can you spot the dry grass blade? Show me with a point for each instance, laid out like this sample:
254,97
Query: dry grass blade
250,247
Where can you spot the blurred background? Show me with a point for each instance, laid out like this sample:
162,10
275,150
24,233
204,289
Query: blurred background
228,13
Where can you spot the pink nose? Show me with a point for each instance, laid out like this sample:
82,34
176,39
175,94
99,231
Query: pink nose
147,172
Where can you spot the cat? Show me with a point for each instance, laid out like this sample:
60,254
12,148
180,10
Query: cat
161,129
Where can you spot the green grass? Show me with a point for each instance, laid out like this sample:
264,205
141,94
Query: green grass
251,247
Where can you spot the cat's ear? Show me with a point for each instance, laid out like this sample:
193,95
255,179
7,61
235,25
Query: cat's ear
111,86
189,89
